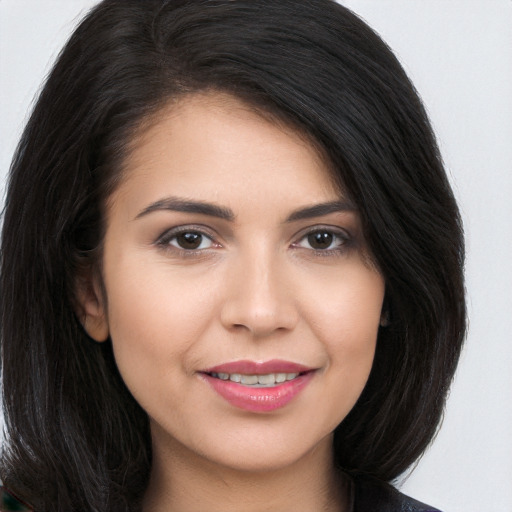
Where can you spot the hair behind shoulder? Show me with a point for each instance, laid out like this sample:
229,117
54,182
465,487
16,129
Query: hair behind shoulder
77,440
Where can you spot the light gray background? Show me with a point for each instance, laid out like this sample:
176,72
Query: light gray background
459,54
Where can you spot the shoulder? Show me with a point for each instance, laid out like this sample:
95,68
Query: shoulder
372,495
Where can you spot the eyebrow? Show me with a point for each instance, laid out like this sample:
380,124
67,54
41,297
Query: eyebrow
318,210
188,206
221,212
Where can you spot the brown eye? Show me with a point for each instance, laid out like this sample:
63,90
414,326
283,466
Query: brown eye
186,240
320,239
189,240
325,241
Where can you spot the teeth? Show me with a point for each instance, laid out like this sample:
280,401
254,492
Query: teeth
269,379
249,379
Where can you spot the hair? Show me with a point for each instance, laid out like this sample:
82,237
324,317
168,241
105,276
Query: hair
75,437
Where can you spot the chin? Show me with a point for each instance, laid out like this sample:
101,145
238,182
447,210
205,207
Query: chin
261,456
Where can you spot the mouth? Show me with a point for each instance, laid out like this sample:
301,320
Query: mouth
258,387
265,380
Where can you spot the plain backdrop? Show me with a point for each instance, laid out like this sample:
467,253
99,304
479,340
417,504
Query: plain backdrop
459,55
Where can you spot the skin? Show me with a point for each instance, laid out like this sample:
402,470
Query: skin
255,289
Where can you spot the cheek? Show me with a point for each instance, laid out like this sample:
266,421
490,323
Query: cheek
345,306
155,320
346,319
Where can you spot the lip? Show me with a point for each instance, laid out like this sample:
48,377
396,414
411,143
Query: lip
264,399
259,368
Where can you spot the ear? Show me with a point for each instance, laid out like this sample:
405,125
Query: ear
91,308
384,319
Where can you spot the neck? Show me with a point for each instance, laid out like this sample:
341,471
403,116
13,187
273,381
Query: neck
182,481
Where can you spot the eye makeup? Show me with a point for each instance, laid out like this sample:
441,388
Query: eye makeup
189,240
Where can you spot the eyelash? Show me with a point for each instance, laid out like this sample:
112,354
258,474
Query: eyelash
343,238
343,244
164,241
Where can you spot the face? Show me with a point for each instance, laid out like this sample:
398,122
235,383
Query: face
241,303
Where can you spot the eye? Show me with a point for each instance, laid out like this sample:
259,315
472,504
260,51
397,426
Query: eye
191,240
188,240
320,240
323,240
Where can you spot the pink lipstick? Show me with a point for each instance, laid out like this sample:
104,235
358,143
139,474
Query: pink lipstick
258,387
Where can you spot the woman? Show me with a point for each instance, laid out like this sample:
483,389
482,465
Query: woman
231,266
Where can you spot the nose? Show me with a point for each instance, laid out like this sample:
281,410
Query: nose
259,296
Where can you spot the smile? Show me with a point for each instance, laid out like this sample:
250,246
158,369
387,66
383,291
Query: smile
258,387
257,381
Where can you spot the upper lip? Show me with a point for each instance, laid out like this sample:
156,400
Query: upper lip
258,368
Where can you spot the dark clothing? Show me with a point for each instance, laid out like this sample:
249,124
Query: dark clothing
371,495
8,502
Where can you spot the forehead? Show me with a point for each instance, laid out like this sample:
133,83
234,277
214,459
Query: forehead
205,111
214,146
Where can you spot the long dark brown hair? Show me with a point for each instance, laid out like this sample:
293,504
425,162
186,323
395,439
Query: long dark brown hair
76,438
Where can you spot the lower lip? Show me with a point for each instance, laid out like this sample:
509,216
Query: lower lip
255,399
